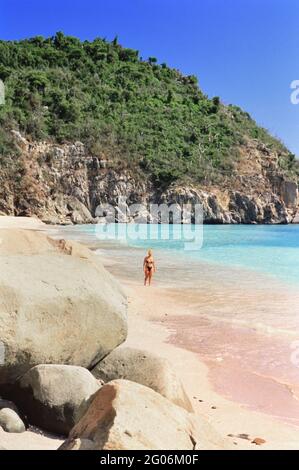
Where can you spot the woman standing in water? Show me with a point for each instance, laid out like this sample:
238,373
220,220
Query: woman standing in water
149,267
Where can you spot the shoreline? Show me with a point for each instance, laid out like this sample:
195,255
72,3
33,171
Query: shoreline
149,329
156,316
256,291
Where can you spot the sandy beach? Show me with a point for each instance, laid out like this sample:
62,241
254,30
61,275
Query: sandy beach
32,439
150,310
158,317
150,313
149,229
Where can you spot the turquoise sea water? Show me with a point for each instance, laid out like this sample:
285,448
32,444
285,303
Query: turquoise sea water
239,286
268,249
271,250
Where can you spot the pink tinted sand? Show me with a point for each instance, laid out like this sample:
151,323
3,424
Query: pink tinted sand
242,324
230,399
245,366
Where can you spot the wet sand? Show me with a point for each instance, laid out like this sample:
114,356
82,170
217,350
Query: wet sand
229,332
245,333
221,391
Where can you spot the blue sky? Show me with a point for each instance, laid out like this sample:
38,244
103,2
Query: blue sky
245,51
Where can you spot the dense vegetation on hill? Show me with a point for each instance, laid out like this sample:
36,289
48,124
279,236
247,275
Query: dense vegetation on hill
138,113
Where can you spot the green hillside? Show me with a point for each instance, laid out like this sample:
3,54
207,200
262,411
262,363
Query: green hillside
138,113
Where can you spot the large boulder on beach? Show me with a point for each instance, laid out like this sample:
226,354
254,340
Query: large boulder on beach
54,397
10,421
58,304
128,416
145,368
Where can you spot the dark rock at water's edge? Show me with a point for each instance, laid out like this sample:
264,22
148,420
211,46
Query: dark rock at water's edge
66,184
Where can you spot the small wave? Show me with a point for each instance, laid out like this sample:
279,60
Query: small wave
259,327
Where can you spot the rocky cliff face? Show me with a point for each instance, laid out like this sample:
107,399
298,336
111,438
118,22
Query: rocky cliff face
64,184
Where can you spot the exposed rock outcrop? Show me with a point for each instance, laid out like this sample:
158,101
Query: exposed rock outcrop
289,193
146,369
65,184
57,306
127,415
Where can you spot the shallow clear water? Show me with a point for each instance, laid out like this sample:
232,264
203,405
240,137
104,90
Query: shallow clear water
239,286
269,249
245,275
272,249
